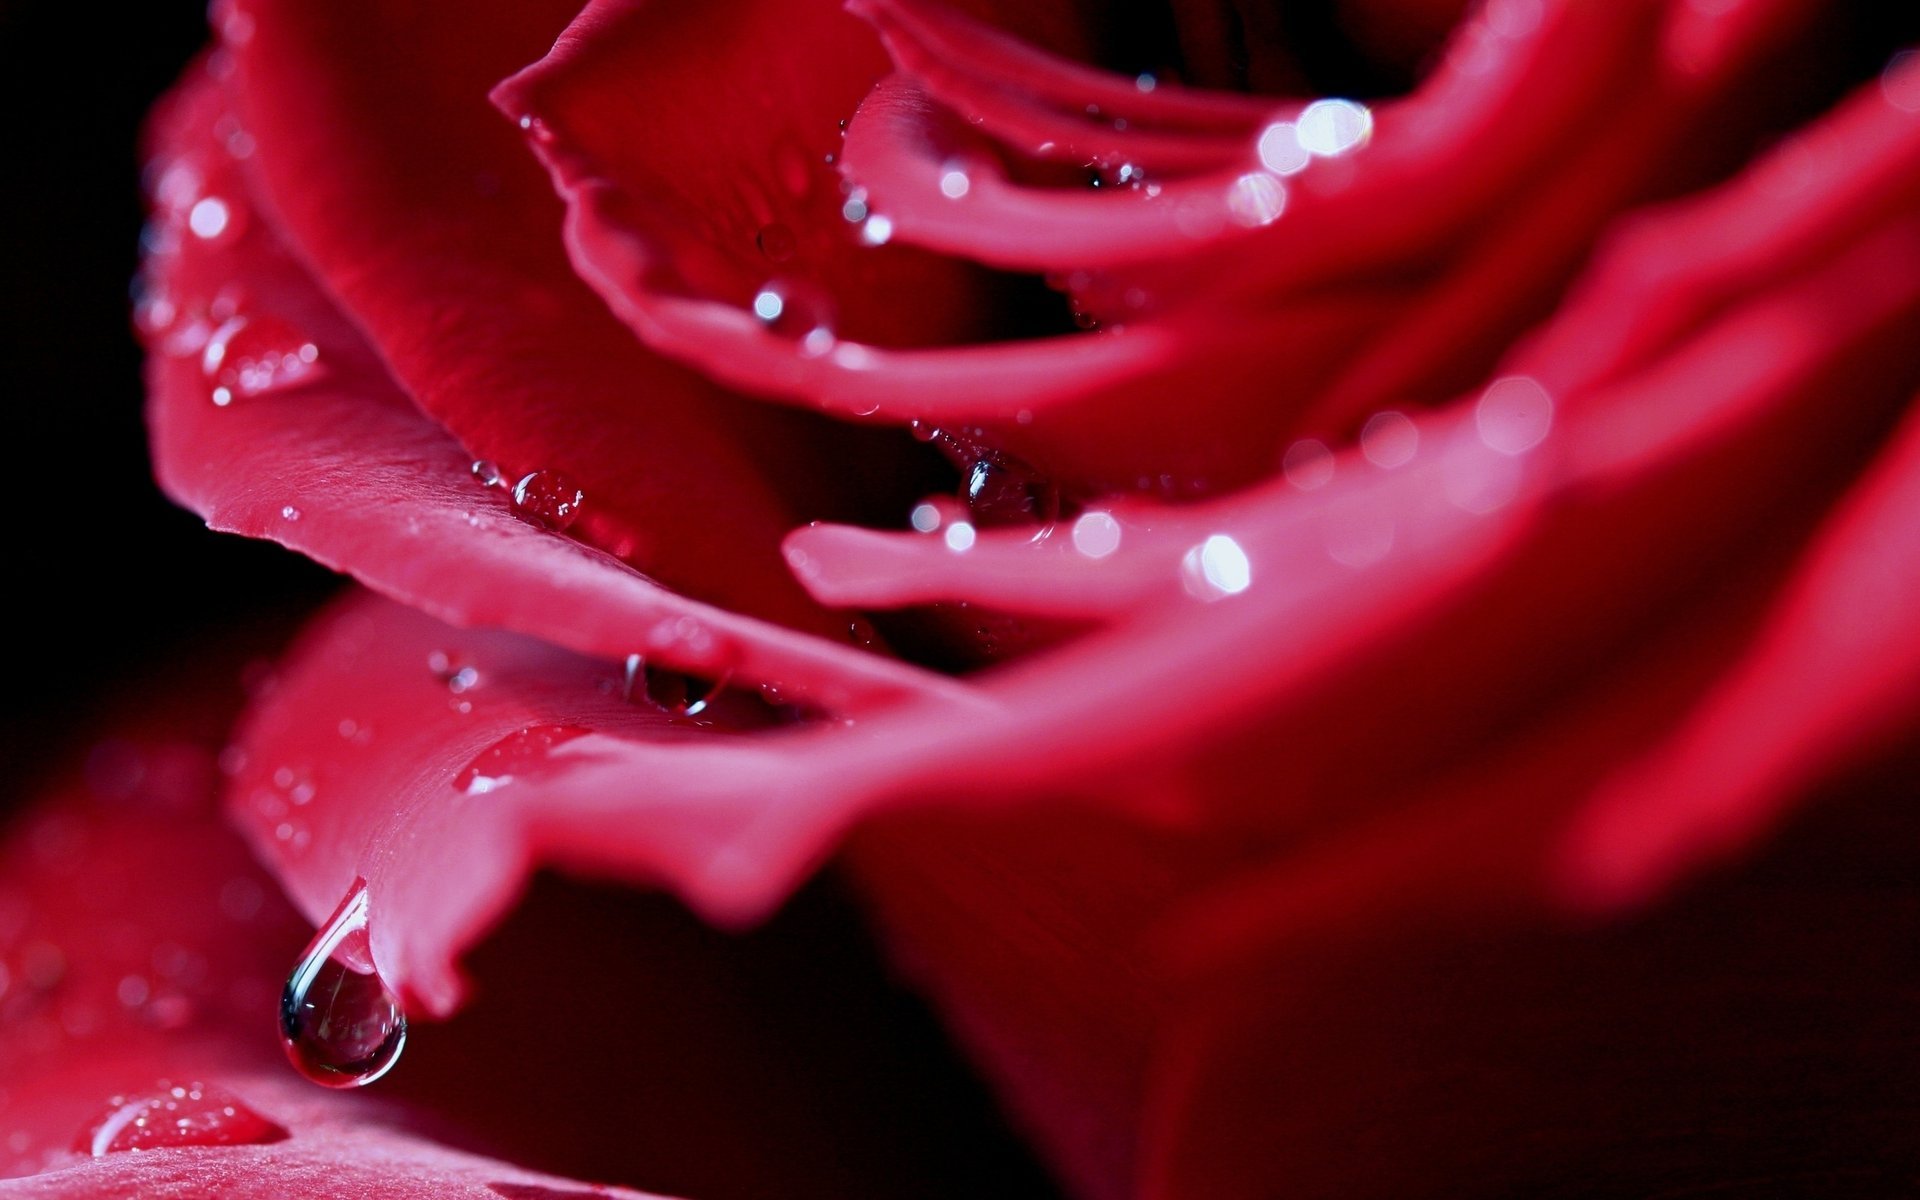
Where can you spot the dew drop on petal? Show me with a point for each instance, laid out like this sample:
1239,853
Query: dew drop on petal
1002,490
340,1023
876,230
776,242
193,1114
960,537
248,356
548,499
289,512
519,755
488,473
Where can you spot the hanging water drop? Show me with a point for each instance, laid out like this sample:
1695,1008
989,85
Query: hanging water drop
1002,490
247,356
341,1025
548,499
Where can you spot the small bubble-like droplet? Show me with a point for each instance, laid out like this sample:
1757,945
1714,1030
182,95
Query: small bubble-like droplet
340,1023
521,754
247,356
1002,490
776,242
797,312
548,499
535,128
194,1114
678,694
488,473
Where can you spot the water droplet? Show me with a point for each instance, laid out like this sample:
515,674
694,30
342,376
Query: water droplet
247,356
797,312
488,473
1146,82
1002,490
548,499
673,692
1256,198
289,513
776,242
925,517
959,537
955,183
341,1025
521,754
876,230
194,1114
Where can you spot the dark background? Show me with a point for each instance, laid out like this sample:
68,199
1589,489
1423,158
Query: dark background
106,579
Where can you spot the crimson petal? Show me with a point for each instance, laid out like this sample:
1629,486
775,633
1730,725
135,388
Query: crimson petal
340,466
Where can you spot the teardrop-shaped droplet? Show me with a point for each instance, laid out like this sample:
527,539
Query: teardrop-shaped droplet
522,754
341,1024
1002,490
488,473
796,311
247,356
548,499
776,242
190,1114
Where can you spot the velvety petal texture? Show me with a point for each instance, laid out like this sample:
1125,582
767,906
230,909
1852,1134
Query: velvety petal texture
1414,537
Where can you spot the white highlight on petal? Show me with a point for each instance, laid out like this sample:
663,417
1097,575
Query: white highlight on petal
1328,128
1216,568
1389,439
1256,198
1096,534
960,536
208,217
768,305
1308,464
1280,149
1514,414
925,517
954,184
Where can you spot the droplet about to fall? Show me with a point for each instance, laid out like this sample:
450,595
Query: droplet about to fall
340,1023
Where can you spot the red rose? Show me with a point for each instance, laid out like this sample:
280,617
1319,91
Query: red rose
1399,545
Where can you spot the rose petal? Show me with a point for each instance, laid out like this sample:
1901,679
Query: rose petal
343,468
342,119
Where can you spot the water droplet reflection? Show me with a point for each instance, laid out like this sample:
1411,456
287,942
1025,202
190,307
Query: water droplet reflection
548,499
192,1114
341,1025
1514,414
